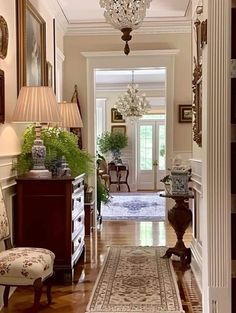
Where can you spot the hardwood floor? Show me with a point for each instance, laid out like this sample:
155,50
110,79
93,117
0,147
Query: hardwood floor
74,298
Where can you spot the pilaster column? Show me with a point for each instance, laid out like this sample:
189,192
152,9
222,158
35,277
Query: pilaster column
216,160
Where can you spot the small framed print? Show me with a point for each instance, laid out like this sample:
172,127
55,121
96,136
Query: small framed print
185,113
118,129
116,117
49,74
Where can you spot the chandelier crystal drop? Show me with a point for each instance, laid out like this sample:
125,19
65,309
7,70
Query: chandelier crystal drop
125,15
132,105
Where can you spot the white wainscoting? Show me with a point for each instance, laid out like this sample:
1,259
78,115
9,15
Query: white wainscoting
196,245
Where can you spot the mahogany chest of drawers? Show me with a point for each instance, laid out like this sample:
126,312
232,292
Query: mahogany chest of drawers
50,214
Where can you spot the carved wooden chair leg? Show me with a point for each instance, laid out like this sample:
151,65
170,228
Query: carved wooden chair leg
49,287
37,293
6,295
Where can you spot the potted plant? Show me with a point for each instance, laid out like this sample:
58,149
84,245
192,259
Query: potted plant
112,142
58,143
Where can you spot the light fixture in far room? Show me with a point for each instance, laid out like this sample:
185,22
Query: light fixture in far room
125,15
70,114
37,105
132,105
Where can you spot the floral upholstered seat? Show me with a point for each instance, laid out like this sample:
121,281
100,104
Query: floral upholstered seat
23,266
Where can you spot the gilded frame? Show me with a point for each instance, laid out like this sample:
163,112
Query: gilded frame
185,113
49,74
31,45
116,117
118,128
197,103
3,37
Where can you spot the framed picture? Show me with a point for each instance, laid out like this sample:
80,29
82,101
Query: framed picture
3,38
198,38
31,45
49,73
2,97
116,117
118,129
185,113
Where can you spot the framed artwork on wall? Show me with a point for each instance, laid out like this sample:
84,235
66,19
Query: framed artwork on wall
185,113
49,75
118,129
2,97
116,117
31,45
3,37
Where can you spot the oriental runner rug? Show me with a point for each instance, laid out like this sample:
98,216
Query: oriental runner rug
135,279
134,206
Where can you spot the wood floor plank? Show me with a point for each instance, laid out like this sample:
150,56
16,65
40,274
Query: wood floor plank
74,297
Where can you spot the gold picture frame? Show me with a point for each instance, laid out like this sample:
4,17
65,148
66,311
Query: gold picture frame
185,113
116,116
118,129
49,79
2,96
3,37
31,45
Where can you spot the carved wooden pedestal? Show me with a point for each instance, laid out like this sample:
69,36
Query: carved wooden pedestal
180,217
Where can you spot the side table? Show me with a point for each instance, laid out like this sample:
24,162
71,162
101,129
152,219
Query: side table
180,217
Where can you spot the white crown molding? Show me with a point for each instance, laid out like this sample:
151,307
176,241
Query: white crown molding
148,27
56,12
95,54
123,87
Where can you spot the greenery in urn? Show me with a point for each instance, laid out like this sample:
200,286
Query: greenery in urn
112,142
58,143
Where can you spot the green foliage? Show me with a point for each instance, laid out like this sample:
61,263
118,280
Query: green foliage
58,143
112,141
102,193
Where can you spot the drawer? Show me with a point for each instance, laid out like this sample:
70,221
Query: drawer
78,242
78,201
77,224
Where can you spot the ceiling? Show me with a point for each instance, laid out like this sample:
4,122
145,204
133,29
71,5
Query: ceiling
80,11
86,17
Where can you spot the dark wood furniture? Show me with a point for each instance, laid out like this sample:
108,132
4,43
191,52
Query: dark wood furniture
118,175
50,214
89,209
180,217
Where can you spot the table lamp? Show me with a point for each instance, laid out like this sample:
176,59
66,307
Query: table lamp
70,114
37,105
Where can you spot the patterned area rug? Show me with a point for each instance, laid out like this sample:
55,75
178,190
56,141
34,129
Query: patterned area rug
135,280
142,207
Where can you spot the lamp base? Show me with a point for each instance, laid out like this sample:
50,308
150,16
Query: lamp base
39,174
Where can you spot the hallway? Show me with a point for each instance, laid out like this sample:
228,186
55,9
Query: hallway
74,298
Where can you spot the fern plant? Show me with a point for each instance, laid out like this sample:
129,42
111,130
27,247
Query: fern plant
58,143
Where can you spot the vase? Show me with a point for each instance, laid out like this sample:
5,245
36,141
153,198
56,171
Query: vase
116,155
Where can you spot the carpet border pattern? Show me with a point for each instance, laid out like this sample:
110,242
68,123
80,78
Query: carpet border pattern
106,298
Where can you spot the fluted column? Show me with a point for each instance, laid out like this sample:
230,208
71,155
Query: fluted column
216,160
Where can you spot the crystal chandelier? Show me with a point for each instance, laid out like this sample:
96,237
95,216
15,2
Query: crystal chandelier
125,15
131,105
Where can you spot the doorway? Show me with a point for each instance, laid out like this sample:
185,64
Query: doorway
151,152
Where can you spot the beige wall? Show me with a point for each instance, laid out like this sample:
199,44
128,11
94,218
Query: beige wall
10,134
75,70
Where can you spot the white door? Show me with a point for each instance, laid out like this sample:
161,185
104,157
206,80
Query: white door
151,157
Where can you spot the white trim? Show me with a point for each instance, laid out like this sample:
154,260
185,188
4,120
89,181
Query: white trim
4,156
148,27
105,54
60,55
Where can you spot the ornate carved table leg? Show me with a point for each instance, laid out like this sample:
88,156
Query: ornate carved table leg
180,217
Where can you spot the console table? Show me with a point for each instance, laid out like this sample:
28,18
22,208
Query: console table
180,217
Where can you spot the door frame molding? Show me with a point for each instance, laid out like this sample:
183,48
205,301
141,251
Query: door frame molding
136,59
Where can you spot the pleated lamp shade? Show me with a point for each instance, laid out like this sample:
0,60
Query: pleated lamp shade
70,115
37,104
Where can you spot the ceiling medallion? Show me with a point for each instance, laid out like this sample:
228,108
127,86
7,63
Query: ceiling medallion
125,15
